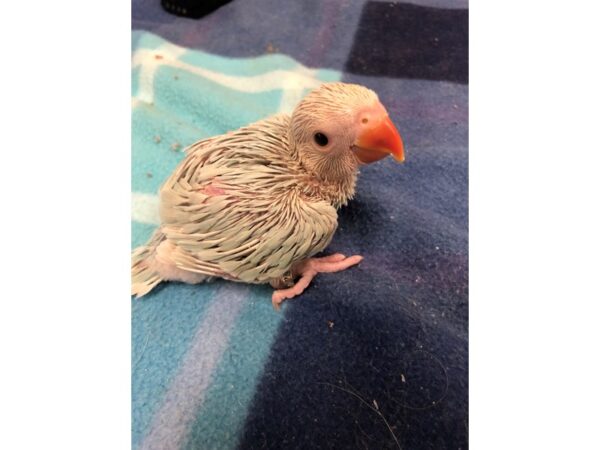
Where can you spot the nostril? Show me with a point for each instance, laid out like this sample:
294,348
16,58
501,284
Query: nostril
365,120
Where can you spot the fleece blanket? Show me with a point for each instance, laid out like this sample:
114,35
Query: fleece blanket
374,357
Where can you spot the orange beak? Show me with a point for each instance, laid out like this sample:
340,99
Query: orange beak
377,140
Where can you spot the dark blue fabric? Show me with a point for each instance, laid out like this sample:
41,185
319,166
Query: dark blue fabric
412,42
393,330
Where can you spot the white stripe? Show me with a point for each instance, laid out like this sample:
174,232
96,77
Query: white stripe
171,423
277,79
144,208
293,91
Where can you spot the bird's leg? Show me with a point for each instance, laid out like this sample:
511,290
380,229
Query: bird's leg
307,270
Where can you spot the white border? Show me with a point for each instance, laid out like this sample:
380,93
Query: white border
534,226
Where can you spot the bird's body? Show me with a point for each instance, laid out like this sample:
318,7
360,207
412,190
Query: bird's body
252,206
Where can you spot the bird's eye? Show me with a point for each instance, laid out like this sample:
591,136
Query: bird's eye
321,139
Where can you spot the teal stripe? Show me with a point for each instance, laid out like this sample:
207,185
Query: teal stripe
201,102
328,75
135,80
220,420
163,325
152,162
140,233
247,66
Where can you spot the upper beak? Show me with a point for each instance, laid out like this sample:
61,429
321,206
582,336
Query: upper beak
378,139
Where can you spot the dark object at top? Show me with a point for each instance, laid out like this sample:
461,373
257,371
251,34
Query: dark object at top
192,8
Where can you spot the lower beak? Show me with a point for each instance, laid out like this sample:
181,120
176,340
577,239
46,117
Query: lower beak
376,141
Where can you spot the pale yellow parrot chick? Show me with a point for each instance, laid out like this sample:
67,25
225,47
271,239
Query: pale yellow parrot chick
254,205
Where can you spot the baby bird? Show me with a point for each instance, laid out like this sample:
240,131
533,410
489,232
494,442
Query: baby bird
254,205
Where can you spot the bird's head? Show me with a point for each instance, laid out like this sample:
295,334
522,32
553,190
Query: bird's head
339,126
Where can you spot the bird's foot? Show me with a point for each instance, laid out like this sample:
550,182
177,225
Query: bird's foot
307,270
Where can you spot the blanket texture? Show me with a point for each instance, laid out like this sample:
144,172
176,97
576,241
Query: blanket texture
374,357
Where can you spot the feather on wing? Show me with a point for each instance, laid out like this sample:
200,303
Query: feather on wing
233,207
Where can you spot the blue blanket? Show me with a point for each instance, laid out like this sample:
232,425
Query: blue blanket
373,357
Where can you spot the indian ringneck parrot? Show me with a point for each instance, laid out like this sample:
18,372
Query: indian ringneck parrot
254,205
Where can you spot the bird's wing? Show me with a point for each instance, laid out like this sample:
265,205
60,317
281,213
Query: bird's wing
235,211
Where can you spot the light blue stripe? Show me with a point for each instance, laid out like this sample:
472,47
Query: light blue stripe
236,66
221,417
140,233
152,162
201,102
163,325
328,75
186,392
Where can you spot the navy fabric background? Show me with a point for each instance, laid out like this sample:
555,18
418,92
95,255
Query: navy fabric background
379,352
412,42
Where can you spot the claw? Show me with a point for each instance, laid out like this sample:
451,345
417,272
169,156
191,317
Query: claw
276,302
